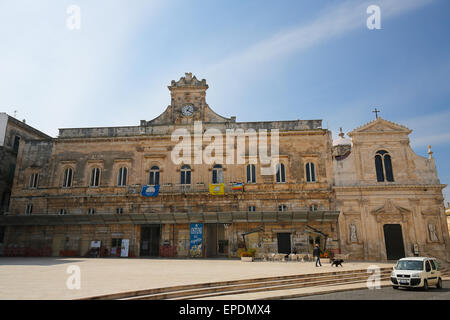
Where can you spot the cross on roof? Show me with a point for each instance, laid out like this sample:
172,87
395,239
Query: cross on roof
376,112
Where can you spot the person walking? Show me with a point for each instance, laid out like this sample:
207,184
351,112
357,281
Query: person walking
316,253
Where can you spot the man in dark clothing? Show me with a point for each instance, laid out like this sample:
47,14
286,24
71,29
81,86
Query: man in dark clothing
316,253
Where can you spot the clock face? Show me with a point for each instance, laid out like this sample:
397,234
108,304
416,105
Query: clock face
187,110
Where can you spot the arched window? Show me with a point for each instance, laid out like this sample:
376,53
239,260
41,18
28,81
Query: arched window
251,173
153,179
281,173
310,172
383,166
122,177
217,174
95,177
67,179
185,175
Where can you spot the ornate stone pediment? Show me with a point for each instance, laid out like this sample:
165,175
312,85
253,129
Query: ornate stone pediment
380,126
188,104
391,211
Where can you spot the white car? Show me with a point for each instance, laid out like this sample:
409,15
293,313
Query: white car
416,272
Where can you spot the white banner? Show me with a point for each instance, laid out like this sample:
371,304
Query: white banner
124,249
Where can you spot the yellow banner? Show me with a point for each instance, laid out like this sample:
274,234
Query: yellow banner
216,189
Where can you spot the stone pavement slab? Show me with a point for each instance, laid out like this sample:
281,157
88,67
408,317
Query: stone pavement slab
45,278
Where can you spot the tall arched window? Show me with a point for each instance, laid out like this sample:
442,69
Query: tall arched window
185,175
383,166
153,179
217,174
95,177
251,173
281,173
67,179
310,172
122,177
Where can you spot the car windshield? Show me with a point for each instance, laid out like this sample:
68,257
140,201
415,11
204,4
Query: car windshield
409,265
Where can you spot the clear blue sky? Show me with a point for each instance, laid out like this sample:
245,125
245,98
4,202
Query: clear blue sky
263,60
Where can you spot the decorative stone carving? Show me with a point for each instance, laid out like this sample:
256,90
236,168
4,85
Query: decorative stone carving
353,233
391,211
432,232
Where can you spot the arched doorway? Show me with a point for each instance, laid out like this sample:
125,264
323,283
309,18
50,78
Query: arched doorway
393,240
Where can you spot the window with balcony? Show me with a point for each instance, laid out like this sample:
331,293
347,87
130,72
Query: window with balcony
122,177
153,179
310,172
281,173
95,177
251,173
217,174
67,178
185,175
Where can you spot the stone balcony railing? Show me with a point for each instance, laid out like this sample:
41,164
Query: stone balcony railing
289,216
168,188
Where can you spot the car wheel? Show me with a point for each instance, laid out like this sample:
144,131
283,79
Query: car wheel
394,287
425,285
439,284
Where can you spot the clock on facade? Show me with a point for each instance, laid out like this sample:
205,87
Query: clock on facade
187,110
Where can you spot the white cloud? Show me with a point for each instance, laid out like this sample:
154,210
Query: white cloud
334,21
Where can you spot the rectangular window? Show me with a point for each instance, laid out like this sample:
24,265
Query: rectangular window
62,211
119,210
16,144
29,209
34,180
95,177
2,234
282,207
251,173
91,211
251,208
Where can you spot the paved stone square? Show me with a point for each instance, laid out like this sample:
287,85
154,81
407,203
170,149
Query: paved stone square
45,278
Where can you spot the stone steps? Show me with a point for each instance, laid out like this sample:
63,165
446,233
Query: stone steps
263,284
236,287
136,293
348,280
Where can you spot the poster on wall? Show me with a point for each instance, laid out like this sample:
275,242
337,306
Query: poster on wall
196,239
124,248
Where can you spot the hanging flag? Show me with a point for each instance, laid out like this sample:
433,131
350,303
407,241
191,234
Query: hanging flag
150,191
216,189
237,186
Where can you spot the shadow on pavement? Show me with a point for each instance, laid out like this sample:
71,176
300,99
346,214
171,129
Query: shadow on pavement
33,261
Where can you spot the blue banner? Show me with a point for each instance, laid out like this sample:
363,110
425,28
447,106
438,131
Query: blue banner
150,191
196,240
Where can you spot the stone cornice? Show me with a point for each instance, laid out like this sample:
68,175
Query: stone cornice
389,187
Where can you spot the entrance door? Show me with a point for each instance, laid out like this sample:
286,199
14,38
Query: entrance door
216,240
284,242
394,241
150,236
211,240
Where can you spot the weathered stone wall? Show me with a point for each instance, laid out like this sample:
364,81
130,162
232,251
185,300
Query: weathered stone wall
413,200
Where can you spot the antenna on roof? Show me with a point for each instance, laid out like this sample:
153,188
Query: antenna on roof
15,113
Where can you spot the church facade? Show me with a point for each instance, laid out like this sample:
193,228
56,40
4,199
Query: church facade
192,183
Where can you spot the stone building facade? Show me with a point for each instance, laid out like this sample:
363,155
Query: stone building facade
390,198
91,181
207,185
12,132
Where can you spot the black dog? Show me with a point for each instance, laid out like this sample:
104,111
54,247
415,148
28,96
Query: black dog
337,262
